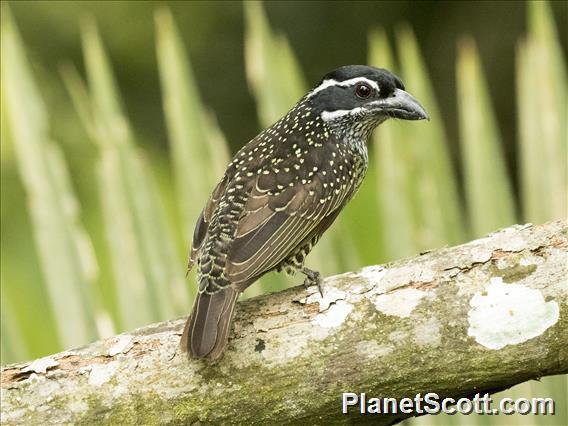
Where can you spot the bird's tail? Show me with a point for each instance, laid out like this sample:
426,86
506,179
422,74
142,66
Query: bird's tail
207,329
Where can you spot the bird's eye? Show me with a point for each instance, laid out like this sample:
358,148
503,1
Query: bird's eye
363,90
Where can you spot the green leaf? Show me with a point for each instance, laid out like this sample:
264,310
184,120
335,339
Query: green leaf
543,118
273,71
436,208
147,270
13,343
488,190
199,151
65,252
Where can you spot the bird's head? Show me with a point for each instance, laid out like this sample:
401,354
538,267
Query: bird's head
359,94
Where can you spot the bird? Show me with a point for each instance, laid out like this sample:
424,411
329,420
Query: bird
282,191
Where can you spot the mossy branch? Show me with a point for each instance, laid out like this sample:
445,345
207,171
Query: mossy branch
482,316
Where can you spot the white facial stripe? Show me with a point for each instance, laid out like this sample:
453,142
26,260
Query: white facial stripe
334,115
351,82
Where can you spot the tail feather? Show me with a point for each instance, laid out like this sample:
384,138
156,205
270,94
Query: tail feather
207,329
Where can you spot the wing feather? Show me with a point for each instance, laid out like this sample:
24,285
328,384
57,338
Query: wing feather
266,235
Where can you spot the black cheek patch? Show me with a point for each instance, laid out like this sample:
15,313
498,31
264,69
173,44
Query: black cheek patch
337,98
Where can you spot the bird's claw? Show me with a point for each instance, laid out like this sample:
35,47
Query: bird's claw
313,278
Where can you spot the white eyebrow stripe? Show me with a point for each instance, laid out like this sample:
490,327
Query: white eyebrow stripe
331,82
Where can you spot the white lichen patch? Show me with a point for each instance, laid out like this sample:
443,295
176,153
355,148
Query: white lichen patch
288,346
372,349
374,275
480,253
40,365
334,315
49,389
121,344
427,333
397,336
13,415
102,373
119,390
509,314
399,303
77,406
531,260
512,240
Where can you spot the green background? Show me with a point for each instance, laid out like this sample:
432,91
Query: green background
459,181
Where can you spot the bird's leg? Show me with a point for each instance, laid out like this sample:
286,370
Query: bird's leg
313,278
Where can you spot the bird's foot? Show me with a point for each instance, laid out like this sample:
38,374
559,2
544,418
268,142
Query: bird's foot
313,278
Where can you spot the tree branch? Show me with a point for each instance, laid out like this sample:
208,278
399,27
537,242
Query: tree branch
481,316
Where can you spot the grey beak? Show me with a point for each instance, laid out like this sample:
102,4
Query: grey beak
403,105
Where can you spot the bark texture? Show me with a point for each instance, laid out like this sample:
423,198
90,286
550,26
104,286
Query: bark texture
481,316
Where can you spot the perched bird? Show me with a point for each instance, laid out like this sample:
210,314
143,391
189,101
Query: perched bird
282,191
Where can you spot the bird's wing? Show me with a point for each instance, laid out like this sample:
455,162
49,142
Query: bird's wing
281,211
202,225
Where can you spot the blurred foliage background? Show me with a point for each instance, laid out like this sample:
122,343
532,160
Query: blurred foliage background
118,118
